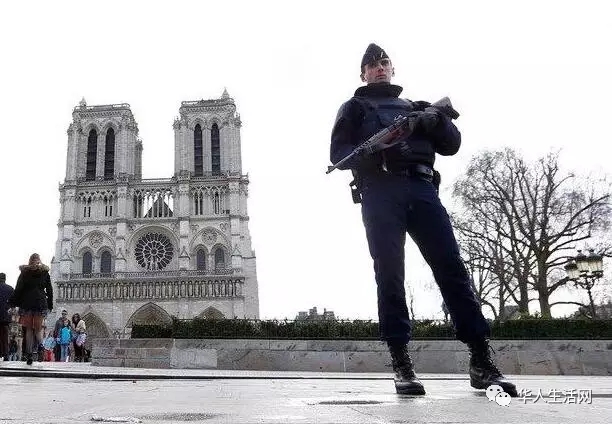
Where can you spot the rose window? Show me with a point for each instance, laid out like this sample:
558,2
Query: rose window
154,251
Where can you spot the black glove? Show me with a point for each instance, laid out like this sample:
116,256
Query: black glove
429,119
369,150
420,105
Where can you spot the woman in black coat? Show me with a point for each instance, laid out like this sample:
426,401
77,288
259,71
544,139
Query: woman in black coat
34,297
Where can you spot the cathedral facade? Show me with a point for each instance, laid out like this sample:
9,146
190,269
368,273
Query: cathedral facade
133,250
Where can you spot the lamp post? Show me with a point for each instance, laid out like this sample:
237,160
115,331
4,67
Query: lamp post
584,271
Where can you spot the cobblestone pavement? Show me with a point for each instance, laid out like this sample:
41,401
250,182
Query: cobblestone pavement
31,395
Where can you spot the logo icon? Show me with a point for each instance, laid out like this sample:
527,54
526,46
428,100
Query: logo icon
492,391
496,393
503,399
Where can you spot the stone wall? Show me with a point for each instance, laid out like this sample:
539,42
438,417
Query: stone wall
528,357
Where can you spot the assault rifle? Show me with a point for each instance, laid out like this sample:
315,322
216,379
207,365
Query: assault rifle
403,126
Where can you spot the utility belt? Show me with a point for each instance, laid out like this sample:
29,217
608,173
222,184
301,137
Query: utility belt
415,170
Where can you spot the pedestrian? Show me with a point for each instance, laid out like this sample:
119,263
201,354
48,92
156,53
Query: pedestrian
59,323
49,344
13,349
6,292
80,335
33,296
398,195
64,340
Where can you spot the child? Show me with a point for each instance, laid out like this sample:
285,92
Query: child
13,346
49,345
64,339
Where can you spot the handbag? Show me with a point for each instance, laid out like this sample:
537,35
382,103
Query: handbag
81,338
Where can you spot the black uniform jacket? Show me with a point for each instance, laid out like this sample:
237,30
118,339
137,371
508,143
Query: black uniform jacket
370,110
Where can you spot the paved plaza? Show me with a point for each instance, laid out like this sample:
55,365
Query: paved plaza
81,393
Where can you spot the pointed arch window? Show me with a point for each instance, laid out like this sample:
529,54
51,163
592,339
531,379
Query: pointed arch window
217,203
92,154
198,199
198,154
201,259
215,150
108,206
219,259
86,207
109,155
106,263
87,263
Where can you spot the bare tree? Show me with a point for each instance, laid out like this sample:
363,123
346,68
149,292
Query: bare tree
525,220
492,280
487,234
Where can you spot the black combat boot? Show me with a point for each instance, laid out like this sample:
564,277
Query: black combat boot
483,372
406,382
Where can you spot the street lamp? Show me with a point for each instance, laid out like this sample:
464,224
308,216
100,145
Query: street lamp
595,264
572,270
584,271
582,262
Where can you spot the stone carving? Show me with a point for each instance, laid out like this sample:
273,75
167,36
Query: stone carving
95,240
237,121
78,231
184,253
195,227
223,226
112,231
183,175
209,236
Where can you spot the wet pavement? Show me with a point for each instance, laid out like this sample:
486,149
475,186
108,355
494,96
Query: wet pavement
81,393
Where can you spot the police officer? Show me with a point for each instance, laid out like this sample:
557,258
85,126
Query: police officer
398,196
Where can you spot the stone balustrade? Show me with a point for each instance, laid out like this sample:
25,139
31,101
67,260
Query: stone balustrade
177,288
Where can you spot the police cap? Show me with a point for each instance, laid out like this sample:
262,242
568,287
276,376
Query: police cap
372,54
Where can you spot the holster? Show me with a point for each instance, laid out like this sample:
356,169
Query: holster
355,186
437,178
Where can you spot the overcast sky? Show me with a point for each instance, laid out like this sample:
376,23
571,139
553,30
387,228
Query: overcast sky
533,75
